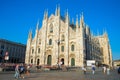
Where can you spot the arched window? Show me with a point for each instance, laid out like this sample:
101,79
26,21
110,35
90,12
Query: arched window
51,28
31,61
72,47
50,41
32,51
63,38
39,41
62,48
72,62
38,50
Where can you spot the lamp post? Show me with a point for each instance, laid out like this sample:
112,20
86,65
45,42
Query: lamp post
58,43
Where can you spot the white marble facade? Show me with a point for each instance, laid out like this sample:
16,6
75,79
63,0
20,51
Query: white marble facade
59,40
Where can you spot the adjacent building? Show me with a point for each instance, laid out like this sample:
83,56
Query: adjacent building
116,63
72,44
12,52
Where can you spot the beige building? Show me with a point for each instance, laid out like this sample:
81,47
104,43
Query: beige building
116,63
12,52
72,44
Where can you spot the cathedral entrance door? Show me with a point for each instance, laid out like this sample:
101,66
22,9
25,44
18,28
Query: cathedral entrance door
72,62
38,61
62,60
49,60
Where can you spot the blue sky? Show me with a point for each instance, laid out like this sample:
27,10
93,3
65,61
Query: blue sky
17,17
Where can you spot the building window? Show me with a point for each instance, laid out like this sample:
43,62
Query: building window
38,50
62,48
39,41
63,38
31,61
2,46
1,52
50,42
51,28
72,47
32,51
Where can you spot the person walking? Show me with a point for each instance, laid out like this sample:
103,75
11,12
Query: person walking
108,71
93,69
84,69
27,70
22,70
17,72
104,69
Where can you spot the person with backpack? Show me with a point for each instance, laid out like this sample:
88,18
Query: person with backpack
93,69
22,70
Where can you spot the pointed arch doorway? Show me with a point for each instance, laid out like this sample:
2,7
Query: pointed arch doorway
72,62
49,60
62,60
38,61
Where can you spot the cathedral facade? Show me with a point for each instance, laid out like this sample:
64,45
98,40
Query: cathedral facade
72,44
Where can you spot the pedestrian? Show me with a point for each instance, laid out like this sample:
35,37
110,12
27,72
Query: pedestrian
22,70
60,65
17,72
108,71
104,69
28,70
118,70
93,69
84,69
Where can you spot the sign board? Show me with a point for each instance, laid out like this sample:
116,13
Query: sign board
90,62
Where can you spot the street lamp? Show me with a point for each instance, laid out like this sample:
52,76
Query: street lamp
58,43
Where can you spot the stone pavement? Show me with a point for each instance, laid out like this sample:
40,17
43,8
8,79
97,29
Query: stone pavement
60,75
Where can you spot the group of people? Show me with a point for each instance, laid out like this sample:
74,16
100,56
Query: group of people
106,70
20,70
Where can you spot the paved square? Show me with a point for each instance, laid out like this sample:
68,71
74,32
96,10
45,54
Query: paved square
60,75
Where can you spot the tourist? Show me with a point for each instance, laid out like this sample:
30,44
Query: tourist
104,69
108,70
84,69
17,72
93,69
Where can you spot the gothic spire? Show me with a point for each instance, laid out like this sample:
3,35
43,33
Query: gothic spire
67,17
37,25
45,14
77,21
30,34
82,20
57,12
72,20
